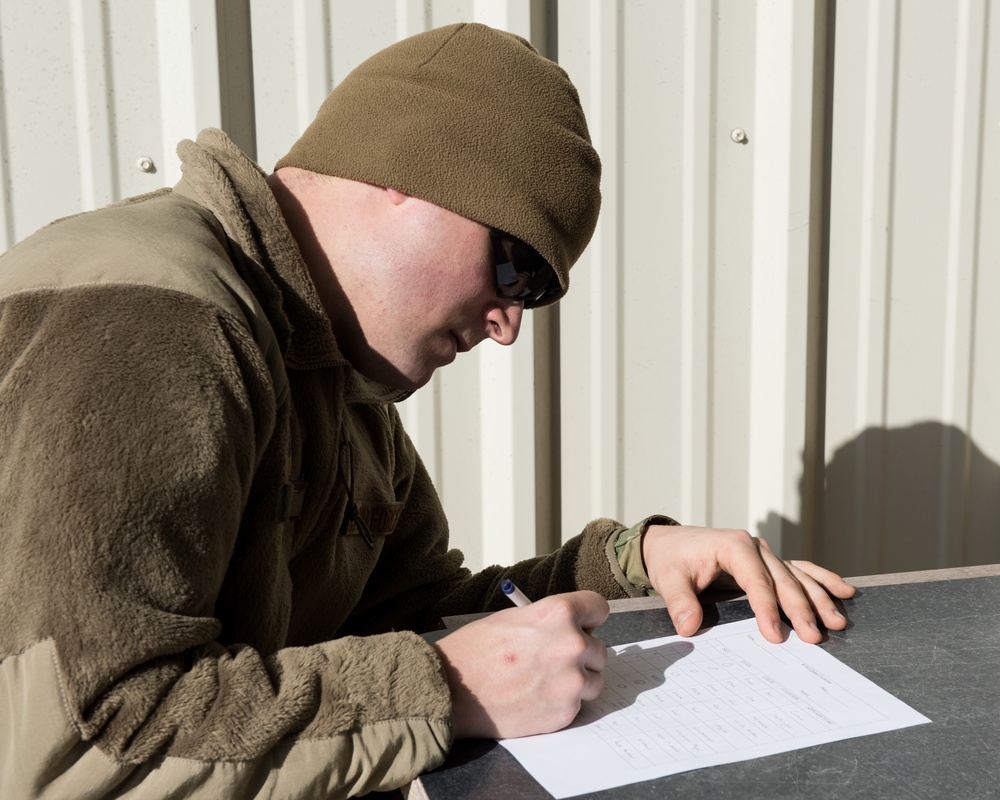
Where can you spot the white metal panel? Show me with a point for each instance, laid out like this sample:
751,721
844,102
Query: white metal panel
39,116
908,485
782,208
732,214
91,90
590,49
979,531
689,396
88,90
188,73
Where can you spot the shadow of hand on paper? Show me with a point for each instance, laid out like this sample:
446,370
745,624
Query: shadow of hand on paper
632,671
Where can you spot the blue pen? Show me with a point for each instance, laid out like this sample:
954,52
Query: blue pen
515,595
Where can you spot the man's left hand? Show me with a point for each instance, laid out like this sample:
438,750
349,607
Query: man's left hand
682,561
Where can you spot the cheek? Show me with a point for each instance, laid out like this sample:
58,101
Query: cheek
451,274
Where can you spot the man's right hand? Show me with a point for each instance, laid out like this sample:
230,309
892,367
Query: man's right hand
525,670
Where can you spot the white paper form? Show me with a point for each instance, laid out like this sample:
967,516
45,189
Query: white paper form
674,704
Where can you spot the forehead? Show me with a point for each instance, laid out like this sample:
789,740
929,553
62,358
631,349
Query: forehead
448,220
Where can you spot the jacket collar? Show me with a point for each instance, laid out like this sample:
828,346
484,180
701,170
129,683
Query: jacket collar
220,177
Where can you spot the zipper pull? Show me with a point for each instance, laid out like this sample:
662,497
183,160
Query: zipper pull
352,512
355,514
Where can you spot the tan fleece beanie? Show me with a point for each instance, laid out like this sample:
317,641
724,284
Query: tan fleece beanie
474,120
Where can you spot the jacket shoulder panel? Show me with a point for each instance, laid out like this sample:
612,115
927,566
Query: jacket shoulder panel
163,240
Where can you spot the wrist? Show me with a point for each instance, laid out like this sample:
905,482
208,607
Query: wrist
630,551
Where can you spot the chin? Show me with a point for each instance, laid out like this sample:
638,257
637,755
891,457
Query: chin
419,382
418,373
405,377
406,381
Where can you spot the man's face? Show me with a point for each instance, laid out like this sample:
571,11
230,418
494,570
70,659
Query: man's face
431,293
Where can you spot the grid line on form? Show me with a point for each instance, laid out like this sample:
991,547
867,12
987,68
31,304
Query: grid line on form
712,699
672,704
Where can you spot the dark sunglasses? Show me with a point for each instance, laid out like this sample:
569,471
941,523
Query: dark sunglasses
522,274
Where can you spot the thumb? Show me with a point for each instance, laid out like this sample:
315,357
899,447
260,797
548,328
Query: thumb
684,608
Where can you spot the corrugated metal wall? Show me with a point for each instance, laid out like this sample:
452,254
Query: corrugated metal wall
783,320
913,372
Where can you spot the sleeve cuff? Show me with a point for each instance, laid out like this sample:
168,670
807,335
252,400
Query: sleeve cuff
628,551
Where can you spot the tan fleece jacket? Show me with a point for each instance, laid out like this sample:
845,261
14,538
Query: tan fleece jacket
215,536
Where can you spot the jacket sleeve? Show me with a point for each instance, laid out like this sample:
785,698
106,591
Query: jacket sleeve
128,448
419,579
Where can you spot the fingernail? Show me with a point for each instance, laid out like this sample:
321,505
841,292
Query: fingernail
777,626
837,612
814,626
683,617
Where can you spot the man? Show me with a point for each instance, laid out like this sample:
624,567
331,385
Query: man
216,540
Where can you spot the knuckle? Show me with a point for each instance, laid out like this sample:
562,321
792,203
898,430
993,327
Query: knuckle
561,608
576,647
568,715
788,581
575,685
742,539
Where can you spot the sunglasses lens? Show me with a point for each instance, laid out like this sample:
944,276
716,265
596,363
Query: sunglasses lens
522,274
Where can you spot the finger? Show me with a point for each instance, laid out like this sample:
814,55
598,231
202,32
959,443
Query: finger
595,656
831,582
679,595
818,593
801,598
803,584
593,686
588,610
594,661
751,564
591,660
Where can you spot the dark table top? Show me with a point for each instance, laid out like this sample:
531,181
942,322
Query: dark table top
935,645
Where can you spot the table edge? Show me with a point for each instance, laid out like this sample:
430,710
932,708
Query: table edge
889,578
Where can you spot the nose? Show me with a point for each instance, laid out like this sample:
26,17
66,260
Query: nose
503,321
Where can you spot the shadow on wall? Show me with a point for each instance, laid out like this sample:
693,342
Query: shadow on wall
920,497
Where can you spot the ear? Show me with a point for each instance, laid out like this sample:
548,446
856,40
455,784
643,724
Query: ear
395,196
